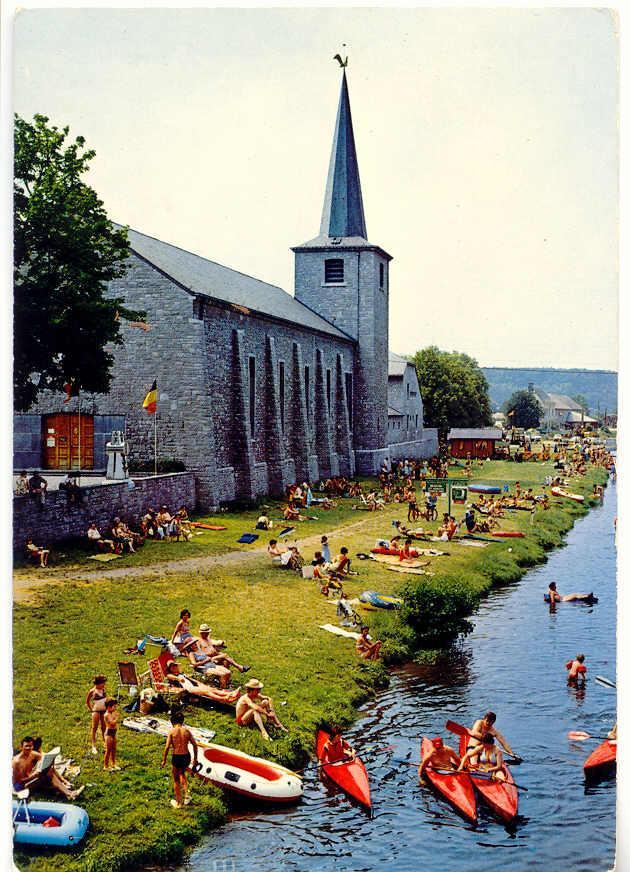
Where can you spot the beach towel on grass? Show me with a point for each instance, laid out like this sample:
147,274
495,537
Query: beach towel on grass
248,538
104,558
410,570
393,560
338,631
207,526
286,532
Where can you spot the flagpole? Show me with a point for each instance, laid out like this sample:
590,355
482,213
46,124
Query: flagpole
155,443
79,409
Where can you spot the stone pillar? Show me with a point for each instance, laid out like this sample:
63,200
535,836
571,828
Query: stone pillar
242,455
274,439
299,431
343,440
323,437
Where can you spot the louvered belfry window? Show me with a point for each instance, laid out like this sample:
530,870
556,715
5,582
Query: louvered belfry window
333,271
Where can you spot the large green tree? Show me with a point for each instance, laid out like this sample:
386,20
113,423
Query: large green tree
66,250
523,410
454,390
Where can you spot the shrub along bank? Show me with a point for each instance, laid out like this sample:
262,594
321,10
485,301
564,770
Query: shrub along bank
271,620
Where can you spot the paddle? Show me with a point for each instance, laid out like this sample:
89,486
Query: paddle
461,772
461,730
605,681
581,736
365,751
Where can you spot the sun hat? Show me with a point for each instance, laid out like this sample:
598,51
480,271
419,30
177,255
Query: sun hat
254,684
204,628
188,643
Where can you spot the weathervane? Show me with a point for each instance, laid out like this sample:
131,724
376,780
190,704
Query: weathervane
342,63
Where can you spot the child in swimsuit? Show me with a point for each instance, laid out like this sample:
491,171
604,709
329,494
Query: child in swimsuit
179,738
577,671
95,702
182,633
111,728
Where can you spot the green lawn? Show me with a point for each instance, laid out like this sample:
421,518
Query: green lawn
271,620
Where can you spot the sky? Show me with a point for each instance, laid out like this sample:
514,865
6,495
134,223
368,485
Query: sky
486,139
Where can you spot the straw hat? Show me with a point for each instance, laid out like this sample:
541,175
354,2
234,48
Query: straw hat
188,643
204,628
254,684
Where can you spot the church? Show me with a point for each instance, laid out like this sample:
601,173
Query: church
257,388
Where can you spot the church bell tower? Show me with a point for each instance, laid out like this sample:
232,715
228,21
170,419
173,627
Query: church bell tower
345,279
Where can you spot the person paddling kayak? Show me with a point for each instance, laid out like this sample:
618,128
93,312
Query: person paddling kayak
485,757
484,726
336,748
556,597
440,757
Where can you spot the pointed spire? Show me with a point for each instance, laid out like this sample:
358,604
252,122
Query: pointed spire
343,205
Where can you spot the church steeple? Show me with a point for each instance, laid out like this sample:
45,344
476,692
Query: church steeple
342,215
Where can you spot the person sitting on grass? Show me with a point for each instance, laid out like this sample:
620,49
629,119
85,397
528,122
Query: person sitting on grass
264,522
179,739
291,513
365,648
26,776
253,707
21,485
96,541
203,663
148,525
37,553
279,555
163,520
211,647
180,527
122,535
182,633
340,566
111,728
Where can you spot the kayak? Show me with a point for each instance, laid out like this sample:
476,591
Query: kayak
371,601
500,796
55,824
484,488
351,776
590,599
457,789
602,760
558,492
508,534
259,779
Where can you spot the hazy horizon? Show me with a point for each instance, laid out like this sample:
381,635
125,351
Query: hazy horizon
487,144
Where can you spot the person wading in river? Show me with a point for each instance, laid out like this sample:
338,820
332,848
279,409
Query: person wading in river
484,726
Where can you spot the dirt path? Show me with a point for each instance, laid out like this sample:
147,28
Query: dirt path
26,587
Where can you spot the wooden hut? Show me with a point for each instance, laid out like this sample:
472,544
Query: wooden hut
473,442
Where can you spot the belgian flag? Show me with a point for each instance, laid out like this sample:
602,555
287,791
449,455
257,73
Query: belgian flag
150,401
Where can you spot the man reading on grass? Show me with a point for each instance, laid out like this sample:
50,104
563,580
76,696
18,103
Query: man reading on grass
26,774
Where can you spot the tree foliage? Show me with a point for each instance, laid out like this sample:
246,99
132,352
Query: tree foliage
66,250
454,390
581,400
523,410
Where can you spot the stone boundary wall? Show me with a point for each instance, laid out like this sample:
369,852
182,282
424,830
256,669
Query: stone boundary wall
419,449
101,503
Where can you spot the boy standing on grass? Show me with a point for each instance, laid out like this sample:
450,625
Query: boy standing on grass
111,728
179,738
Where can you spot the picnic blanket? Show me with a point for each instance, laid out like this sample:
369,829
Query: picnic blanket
104,558
338,631
207,526
285,532
410,570
248,538
393,560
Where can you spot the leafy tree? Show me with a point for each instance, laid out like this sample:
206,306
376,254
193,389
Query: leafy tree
66,250
454,390
581,400
523,410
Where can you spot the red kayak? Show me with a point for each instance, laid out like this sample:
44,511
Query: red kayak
457,789
349,775
500,796
508,534
604,757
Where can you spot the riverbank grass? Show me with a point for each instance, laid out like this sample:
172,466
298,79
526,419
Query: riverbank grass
271,620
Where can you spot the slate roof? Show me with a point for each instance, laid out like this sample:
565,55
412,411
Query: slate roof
578,418
556,401
475,433
201,276
397,365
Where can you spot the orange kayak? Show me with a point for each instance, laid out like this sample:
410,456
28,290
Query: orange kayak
603,759
457,788
350,775
500,796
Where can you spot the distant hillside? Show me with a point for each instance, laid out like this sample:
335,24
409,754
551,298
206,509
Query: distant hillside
599,386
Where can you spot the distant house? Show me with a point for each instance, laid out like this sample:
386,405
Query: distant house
406,434
473,441
499,419
556,408
579,419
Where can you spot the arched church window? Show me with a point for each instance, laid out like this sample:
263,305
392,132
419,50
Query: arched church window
333,271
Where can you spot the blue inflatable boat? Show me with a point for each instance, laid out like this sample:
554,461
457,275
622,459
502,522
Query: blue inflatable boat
371,601
54,824
484,488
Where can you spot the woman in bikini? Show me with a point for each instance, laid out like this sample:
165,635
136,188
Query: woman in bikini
182,633
95,702
487,758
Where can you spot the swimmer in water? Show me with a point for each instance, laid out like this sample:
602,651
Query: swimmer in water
555,597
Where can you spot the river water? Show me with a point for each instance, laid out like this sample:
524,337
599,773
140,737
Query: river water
513,663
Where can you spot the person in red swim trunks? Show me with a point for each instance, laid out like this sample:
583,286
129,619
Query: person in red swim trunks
440,757
577,671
